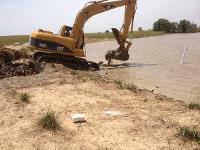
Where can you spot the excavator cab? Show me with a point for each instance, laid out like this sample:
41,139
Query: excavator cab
65,31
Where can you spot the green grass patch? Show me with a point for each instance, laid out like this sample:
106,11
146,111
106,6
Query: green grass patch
188,134
194,106
49,121
25,97
7,40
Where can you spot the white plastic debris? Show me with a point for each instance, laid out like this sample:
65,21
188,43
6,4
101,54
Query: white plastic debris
16,44
113,113
78,118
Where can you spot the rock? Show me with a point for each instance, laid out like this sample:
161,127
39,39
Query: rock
36,66
78,118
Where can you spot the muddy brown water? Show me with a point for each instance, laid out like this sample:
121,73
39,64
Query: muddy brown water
155,63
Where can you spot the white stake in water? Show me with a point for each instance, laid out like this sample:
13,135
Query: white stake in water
184,53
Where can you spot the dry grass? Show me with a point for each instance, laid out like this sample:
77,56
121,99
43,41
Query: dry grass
119,84
75,72
12,93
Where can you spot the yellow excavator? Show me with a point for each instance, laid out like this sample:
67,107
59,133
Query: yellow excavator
68,45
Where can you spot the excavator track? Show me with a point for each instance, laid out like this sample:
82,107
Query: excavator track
68,61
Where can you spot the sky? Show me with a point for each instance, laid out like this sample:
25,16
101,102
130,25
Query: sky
19,17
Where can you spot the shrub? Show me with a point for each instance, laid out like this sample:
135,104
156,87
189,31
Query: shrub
119,83
187,134
194,106
25,97
49,121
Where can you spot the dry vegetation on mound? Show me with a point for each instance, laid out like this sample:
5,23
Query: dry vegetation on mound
147,121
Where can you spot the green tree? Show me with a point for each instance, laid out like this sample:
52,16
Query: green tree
162,25
140,29
193,28
173,27
184,26
107,31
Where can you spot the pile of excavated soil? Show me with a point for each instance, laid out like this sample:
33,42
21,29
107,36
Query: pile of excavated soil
18,69
15,70
7,55
9,68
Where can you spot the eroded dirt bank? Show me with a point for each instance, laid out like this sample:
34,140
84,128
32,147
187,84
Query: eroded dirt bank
148,121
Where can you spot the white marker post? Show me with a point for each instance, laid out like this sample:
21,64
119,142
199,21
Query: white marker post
184,53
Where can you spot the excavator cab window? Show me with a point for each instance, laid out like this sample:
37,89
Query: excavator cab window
65,31
68,31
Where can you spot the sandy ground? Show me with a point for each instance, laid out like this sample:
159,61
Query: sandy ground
155,64
148,121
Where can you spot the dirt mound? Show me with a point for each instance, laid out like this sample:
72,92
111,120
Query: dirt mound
9,67
7,55
19,69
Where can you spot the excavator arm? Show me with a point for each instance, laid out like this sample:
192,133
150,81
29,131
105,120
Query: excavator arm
97,7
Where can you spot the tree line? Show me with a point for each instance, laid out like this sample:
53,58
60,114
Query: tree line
183,26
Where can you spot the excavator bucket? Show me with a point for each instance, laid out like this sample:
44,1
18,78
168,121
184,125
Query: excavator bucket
117,55
121,53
